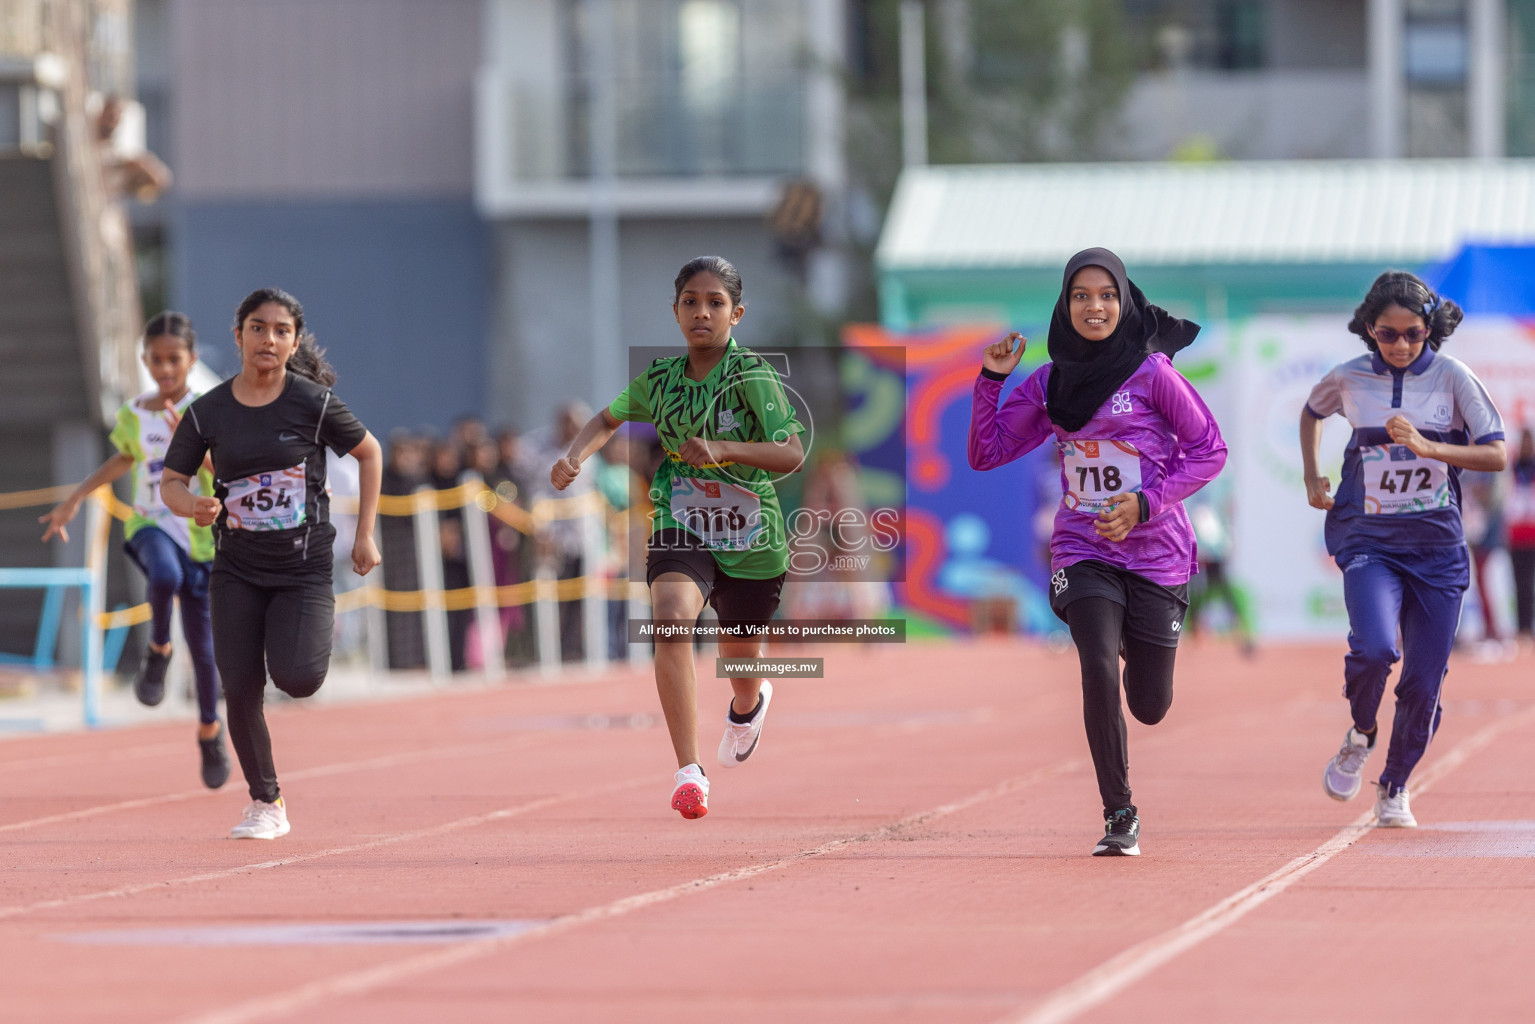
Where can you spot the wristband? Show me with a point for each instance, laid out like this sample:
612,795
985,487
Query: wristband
1145,505
991,374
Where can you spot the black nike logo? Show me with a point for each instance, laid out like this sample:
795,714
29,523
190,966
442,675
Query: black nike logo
742,757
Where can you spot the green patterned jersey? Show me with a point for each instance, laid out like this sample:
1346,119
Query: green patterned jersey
143,436
732,508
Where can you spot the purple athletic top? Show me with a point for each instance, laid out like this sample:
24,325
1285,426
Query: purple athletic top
1155,435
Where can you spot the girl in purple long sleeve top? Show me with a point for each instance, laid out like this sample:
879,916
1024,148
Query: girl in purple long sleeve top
1135,439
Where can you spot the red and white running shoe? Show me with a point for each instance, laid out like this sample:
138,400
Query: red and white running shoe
691,796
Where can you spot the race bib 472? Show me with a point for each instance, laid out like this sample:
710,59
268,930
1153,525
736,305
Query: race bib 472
1397,481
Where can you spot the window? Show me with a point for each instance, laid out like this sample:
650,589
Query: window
703,87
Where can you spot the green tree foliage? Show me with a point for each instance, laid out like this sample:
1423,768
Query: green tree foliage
1007,81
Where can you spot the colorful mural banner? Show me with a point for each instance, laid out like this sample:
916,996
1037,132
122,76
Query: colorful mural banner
971,537
975,538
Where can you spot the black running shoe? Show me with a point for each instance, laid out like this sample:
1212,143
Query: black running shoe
149,684
215,760
1121,834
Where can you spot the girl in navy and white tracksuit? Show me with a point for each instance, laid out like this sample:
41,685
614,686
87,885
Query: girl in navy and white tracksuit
1419,417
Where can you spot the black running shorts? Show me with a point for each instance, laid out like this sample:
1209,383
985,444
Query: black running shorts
737,602
1153,613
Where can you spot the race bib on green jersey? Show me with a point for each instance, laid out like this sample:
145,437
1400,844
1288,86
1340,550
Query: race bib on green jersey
725,517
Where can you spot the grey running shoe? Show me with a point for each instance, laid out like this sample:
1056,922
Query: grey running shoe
1341,777
149,684
1121,834
215,760
1391,810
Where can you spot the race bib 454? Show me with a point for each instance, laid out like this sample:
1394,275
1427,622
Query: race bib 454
267,501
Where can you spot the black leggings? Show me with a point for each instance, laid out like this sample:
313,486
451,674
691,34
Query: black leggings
1097,626
284,630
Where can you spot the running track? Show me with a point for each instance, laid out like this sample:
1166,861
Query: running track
910,843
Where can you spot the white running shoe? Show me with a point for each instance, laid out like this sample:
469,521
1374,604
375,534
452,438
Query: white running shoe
741,738
1342,775
262,821
1391,810
691,796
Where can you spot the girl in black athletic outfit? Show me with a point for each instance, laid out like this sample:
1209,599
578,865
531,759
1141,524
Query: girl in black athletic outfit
267,429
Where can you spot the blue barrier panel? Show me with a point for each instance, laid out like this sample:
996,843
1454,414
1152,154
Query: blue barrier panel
90,641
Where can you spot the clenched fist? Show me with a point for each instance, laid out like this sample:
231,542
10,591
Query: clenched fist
999,357
205,510
564,471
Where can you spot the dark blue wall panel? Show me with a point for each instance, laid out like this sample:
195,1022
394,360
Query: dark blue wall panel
397,291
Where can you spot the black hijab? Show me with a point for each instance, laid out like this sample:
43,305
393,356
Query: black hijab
1083,374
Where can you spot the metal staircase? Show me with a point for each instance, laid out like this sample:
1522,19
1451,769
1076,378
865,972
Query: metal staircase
69,310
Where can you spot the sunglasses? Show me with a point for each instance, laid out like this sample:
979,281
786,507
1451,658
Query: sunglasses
1389,335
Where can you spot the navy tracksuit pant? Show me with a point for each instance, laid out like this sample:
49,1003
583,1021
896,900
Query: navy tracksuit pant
171,573
1386,596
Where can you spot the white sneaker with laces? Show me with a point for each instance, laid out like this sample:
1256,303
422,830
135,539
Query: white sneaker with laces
1342,776
690,798
741,738
1391,810
262,821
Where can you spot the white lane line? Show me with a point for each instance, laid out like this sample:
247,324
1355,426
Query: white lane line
368,979
320,771
95,756
400,837
1119,972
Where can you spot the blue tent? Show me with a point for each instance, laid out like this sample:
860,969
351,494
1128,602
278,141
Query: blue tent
1488,279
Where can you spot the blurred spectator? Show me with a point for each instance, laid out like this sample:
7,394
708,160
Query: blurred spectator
404,471
508,464
1483,496
129,168
512,487
505,543
342,483
1212,583
621,487
468,434
1521,533
447,464
559,541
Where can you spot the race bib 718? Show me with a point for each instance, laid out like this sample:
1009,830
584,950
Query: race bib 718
1096,471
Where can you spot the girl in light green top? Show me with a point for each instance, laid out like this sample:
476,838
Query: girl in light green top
174,554
718,532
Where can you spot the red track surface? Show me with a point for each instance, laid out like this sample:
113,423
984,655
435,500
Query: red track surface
909,843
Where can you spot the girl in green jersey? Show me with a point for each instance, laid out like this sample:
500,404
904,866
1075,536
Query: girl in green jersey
174,554
718,531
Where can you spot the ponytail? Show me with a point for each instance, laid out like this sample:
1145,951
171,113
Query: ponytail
308,360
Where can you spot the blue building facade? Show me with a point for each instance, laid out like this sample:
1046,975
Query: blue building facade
338,167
